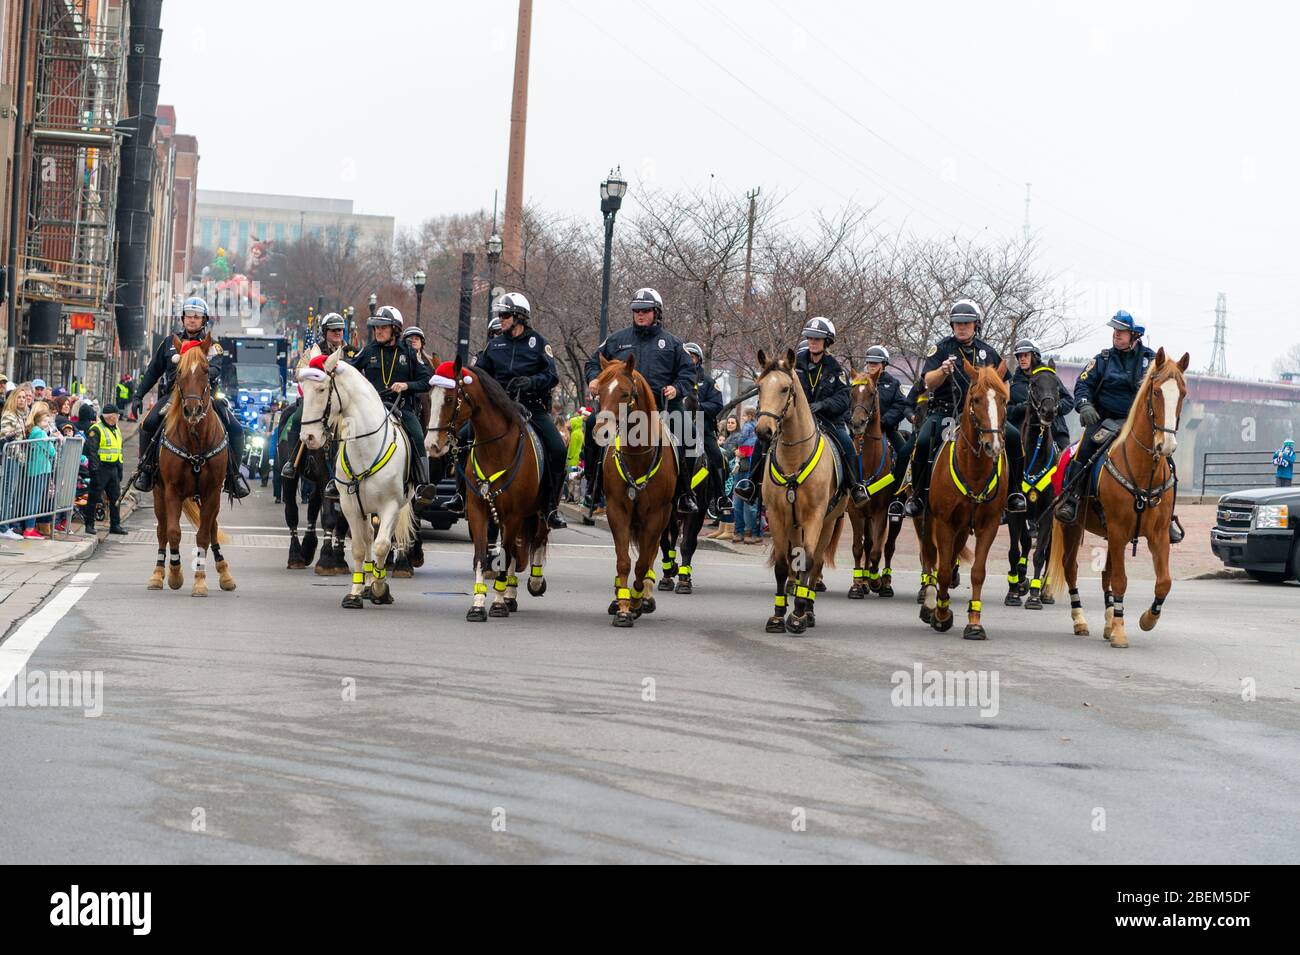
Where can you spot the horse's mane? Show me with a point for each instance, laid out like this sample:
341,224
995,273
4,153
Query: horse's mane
1143,394
190,360
497,395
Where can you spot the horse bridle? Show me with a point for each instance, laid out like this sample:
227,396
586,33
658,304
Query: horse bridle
780,418
207,393
871,414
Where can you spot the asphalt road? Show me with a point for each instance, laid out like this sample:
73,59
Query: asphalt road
225,734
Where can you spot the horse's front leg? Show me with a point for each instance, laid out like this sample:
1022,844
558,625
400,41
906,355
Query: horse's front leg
1017,532
478,533
160,519
687,540
937,599
642,585
1158,543
380,590
361,531
877,528
1042,548
503,566
984,538
668,546
175,576
1116,541
860,525
620,520
203,539
806,566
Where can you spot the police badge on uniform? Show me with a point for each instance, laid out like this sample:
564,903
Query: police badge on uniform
983,355
662,343
532,341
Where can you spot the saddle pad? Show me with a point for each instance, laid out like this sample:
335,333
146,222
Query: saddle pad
538,454
1058,477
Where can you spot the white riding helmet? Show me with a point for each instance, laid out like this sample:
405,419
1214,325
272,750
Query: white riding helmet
820,328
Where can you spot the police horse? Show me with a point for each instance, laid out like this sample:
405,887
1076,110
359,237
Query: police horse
340,405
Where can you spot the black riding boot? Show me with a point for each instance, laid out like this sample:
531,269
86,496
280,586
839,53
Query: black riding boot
290,469
748,489
236,486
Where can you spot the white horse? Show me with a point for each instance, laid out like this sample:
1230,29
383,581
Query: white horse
370,470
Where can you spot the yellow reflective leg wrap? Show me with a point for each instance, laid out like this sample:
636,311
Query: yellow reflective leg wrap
780,601
871,576
975,606
666,564
684,569
942,601
1023,561
478,588
624,594
650,574
536,570
380,573
1013,578
636,594
1036,584
887,572
369,566
807,593
672,554
358,578
859,573
512,581
499,585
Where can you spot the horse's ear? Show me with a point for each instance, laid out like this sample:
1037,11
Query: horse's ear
1002,369
762,360
1160,356
968,368
1051,363
1184,361
604,362
629,365
332,362
455,367
789,358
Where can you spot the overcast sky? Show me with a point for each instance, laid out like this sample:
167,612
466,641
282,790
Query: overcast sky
1160,139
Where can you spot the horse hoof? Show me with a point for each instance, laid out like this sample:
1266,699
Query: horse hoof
512,604
623,620
648,605
812,619
1047,599
321,569
920,596
1034,602
683,586
886,592
1119,641
1148,620
1081,630
404,573
416,557
944,625
541,589
295,564
156,580
175,580
476,615
857,593
776,624
666,584
382,598
613,608
819,587
352,602
199,591
795,624
498,610
926,614
367,594
974,631
1013,600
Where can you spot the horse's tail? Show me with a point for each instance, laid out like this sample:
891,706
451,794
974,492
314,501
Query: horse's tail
829,559
406,528
1056,560
191,512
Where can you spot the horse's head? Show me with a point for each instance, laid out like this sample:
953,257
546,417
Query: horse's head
621,392
776,392
193,385
1044,395
319,398
986,406
1168,388
449,406
864,399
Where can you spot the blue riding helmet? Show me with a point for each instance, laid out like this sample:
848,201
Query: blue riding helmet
1124,322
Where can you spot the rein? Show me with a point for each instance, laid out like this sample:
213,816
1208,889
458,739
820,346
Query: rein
794,480
1149,495
875,482
635,485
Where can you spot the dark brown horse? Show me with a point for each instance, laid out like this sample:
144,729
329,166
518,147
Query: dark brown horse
1134,498
874,535
503,475
968,491
191,470
639,476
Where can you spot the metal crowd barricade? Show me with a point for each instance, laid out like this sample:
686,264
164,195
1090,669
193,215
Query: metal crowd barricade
38,478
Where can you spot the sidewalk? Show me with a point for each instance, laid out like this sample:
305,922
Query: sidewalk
1188,560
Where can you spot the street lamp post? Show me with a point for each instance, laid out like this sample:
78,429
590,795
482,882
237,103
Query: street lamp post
348,314
374,303
494,256
419,293
612,191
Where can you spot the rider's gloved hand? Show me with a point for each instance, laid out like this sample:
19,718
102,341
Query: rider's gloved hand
816,406
1088,415
518,385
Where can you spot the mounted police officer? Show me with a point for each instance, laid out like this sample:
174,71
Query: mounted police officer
1105,391
332,329
946,383
395,371
195,323
893,405
708,403
826,386
662,360
1030,359
524,364
103,451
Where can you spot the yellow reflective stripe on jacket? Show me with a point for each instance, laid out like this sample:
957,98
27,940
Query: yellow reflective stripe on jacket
802,476
952,469
110,443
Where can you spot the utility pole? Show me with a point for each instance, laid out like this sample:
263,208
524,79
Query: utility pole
748,307
466,303
1219,358
512,229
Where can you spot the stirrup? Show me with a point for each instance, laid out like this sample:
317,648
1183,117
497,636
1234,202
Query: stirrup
555,520
331,491
144,483
454,504
425,494
746,490
686,503
237,487
1016,503
1067,509
288,472
1176,532
914,507
859,493
896,509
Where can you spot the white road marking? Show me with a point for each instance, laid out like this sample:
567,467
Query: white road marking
18,649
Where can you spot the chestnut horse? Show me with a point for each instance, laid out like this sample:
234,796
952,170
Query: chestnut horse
805,508
191,468
874,534
1134,498
968,491
503,477
639,473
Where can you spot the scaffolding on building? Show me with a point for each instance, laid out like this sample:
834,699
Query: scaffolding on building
68,256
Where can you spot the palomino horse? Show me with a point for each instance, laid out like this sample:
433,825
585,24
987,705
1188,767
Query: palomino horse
1134,498
968,490
338,403
1032,530
639,474
503,474
805,508
191,473
874,534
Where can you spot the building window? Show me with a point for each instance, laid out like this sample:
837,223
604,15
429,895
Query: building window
297,231
263,231
206,228
243,236
224,233
279,232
